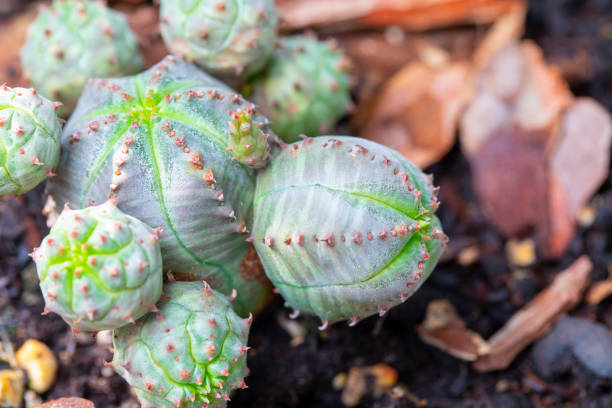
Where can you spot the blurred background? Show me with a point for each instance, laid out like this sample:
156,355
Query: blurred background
507,103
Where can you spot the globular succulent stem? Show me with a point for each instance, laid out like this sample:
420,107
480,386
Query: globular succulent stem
74,40
248,142
157,144
304,88
99,269
29,139
189,354
345,227
228,38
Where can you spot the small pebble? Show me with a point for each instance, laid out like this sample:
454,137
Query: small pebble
39,362
588,342
11,388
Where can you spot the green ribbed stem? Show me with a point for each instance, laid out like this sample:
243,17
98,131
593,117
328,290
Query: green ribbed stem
29,139
232,39
157,144
73,41
192,352
99,268
345,227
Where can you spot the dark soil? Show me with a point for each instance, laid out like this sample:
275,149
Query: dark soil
486,293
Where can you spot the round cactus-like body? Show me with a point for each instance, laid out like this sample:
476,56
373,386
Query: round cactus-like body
73,41
157,144
304,89
190,354
99,268
248,142
228,38
29,139
345,227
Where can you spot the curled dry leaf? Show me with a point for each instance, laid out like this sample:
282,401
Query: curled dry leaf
378,56
418,110
411,14
444,329
537,317
524,134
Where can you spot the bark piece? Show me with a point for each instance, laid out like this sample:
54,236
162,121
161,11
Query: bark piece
599,291
445,330
71,402
537,317
418,111
537,153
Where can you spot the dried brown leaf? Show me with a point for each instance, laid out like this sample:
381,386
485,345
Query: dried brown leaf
537,317
418,111
524,134
444,329
411,14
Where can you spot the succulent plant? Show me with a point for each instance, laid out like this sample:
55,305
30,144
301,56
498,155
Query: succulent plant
345,227
99,268
248,142
157,144
192,353
74,40
29,139
304,89
228,38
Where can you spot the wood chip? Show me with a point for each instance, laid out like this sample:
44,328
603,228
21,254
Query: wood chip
599,291
444,329
521,253
375,380
537,317
71,402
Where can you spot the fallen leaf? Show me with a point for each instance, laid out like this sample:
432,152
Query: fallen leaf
537,317
582,166
524,134
418,110
414,15
445,330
